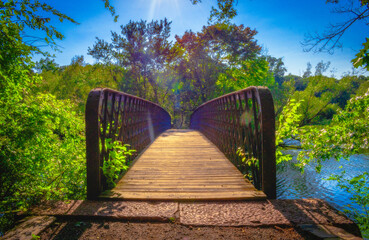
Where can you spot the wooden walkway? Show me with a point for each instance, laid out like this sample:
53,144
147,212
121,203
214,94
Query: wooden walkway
183,165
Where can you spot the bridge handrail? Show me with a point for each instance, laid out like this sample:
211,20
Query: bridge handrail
121,117
243,121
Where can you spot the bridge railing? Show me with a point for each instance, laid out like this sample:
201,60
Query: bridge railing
119,117
242,125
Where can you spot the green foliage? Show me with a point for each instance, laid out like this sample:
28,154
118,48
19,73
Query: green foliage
346,134
23,14
224,12
35,237
362,57
287,128
358,186
35,15
253,72
42,132
42,152
43,156
251,164
317,96
111,9
76,80
117,162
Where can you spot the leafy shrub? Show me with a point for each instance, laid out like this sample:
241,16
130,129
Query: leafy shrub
359,188
42,153
117,160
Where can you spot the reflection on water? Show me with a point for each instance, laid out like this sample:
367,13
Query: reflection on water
291,184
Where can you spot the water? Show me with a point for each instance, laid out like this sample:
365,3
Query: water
291,184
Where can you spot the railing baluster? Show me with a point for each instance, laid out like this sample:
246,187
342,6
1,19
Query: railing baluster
249,126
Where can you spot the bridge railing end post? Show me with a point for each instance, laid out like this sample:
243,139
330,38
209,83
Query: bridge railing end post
268,164
92,145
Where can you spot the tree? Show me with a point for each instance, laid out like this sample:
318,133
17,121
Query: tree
213,50
316,99
321,68
205,56
144,49
308,72
30,14
46,64
350,85
250,73
78,60
223,13
22,14
362,57
347,134
277,68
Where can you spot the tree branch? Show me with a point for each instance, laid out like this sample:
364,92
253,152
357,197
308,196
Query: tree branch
330,40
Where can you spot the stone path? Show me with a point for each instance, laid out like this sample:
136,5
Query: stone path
310,215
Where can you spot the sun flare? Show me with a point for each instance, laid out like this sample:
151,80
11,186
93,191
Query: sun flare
157,6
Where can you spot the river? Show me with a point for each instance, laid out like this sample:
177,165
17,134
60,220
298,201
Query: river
291,184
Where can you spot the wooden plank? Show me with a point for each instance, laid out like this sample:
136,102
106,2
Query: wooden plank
175,176
209,172
188,181
239,195
183,165
171,181
183,188
192,186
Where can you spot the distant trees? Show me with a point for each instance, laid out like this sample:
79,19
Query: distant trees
75,81
319,96
277,68
178,75
46,64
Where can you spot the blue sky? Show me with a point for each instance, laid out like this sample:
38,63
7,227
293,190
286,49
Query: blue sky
281,26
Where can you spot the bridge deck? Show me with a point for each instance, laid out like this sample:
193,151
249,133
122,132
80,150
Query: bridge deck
183,165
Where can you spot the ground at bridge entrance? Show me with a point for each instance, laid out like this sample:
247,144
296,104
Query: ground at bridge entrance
123,230
266,219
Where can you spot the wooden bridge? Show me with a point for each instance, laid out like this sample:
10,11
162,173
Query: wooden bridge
227,154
